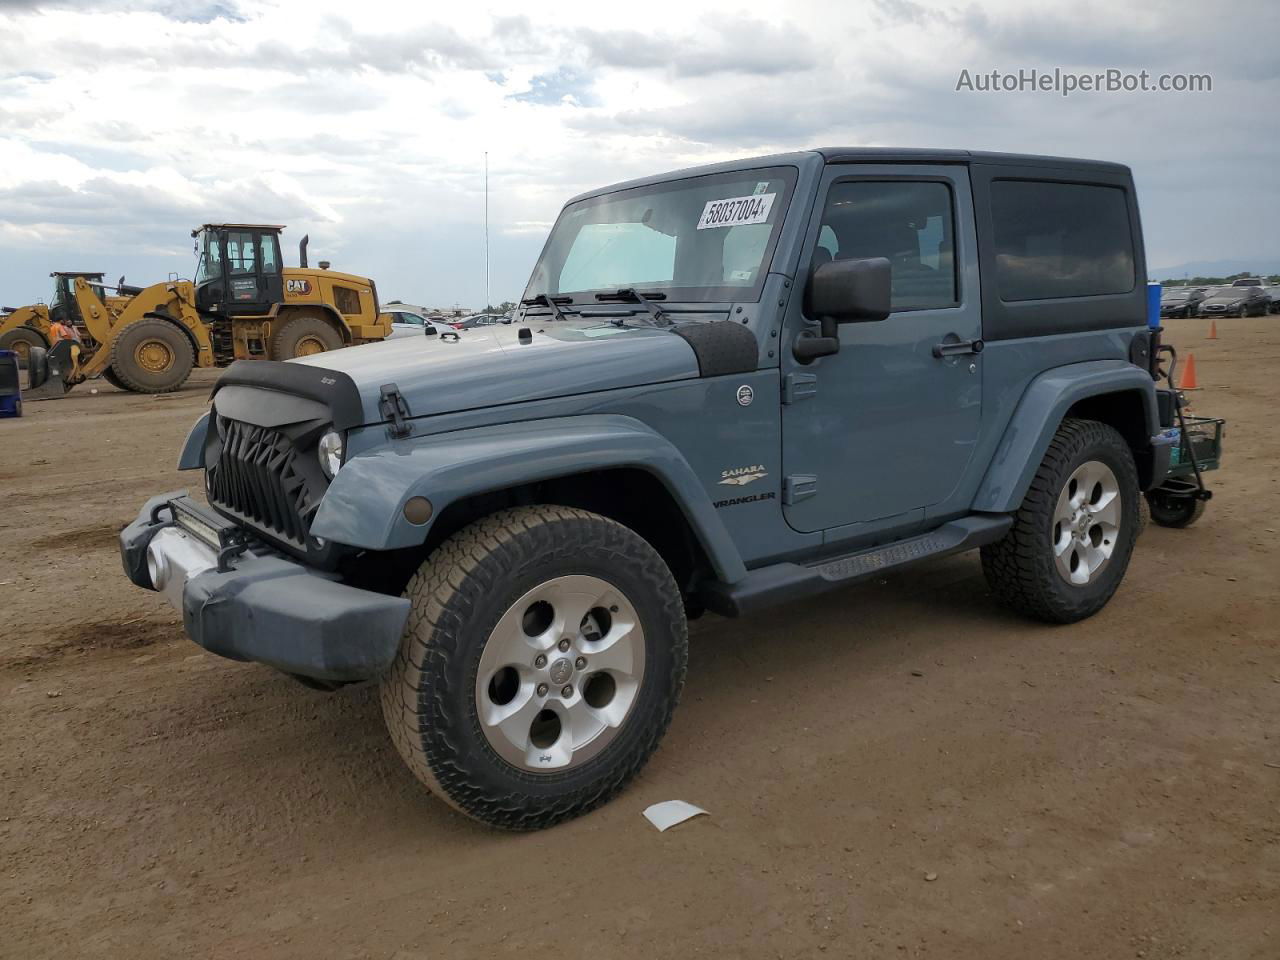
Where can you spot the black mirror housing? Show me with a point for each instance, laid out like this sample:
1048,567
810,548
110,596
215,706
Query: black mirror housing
851,291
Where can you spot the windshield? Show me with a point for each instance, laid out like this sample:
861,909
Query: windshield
702,238
209,266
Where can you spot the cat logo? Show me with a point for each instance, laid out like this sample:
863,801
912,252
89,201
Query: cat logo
298,288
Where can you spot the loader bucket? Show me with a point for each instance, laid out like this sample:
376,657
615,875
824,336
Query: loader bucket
49,371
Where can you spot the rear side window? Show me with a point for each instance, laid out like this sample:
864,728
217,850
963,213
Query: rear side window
1060,240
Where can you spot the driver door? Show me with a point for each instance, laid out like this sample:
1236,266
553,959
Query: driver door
253,270
886,427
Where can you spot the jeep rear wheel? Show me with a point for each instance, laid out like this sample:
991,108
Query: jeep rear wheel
542,661
1071,539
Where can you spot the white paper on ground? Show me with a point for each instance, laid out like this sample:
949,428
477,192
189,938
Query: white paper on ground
670,812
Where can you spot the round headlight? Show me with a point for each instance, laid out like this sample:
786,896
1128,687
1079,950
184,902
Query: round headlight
330,453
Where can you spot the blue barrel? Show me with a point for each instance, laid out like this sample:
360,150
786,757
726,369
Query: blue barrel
1153,305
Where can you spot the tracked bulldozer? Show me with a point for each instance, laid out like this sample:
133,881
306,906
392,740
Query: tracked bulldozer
243,304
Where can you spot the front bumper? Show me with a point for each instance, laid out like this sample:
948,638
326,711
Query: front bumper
248,603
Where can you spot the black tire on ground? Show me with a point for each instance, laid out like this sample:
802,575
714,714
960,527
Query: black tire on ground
37,367
468,585
20,340
303,334
109,375
1020,568
151,356
1171,511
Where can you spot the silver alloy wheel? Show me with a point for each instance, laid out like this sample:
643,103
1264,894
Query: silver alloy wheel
1086,522
560,673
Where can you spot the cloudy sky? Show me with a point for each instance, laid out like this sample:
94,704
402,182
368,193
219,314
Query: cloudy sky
125,124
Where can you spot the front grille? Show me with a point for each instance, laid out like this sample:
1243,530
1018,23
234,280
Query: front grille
256,478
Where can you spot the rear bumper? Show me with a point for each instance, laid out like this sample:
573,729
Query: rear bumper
1162,445
260,606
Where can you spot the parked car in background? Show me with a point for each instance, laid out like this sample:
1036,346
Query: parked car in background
1249,282
1233,301
406,324
478,320
1181,301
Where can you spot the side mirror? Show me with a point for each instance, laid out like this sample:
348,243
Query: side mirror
851,291
844,291
428,330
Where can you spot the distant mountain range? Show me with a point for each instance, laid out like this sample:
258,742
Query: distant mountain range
1260,266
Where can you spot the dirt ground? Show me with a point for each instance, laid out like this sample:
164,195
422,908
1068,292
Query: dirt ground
1109,789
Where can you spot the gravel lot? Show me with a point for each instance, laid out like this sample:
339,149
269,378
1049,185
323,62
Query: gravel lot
1108,789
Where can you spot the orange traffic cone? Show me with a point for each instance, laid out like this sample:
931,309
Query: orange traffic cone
1213,330
1188,379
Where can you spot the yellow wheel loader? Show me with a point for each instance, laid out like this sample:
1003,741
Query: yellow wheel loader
244,304
262,309
22,328
147,340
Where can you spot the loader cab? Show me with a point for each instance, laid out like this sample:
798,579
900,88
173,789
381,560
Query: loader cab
239,271
62,305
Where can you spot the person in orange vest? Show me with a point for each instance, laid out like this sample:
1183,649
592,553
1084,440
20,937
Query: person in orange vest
62,331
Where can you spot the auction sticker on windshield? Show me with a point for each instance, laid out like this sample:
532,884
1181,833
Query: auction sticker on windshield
736,211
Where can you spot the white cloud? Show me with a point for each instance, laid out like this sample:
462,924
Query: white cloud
368,131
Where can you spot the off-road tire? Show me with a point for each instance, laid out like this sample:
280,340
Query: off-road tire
109,375
1176,512
300,335
20,340
135,341
459,594
1020,568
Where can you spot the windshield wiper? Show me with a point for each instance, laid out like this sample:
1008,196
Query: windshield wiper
552,303
632,295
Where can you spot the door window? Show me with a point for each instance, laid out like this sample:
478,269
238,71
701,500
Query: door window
241,253
910,223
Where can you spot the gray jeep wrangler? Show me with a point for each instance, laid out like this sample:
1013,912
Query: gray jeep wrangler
727,387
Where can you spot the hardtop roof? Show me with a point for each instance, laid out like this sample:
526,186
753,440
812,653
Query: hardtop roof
869,155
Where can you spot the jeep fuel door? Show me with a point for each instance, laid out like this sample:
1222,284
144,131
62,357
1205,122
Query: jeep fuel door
886,426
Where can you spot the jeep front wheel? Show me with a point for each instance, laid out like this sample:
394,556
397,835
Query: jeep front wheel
1071,539
542,661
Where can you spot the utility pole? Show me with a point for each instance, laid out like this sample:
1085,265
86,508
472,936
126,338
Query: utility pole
486,230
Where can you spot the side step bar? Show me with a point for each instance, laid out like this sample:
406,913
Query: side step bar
781,582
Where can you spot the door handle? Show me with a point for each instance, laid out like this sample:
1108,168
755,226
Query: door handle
953,348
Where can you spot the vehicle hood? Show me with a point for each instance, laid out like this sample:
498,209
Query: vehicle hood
1226,299
438,375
